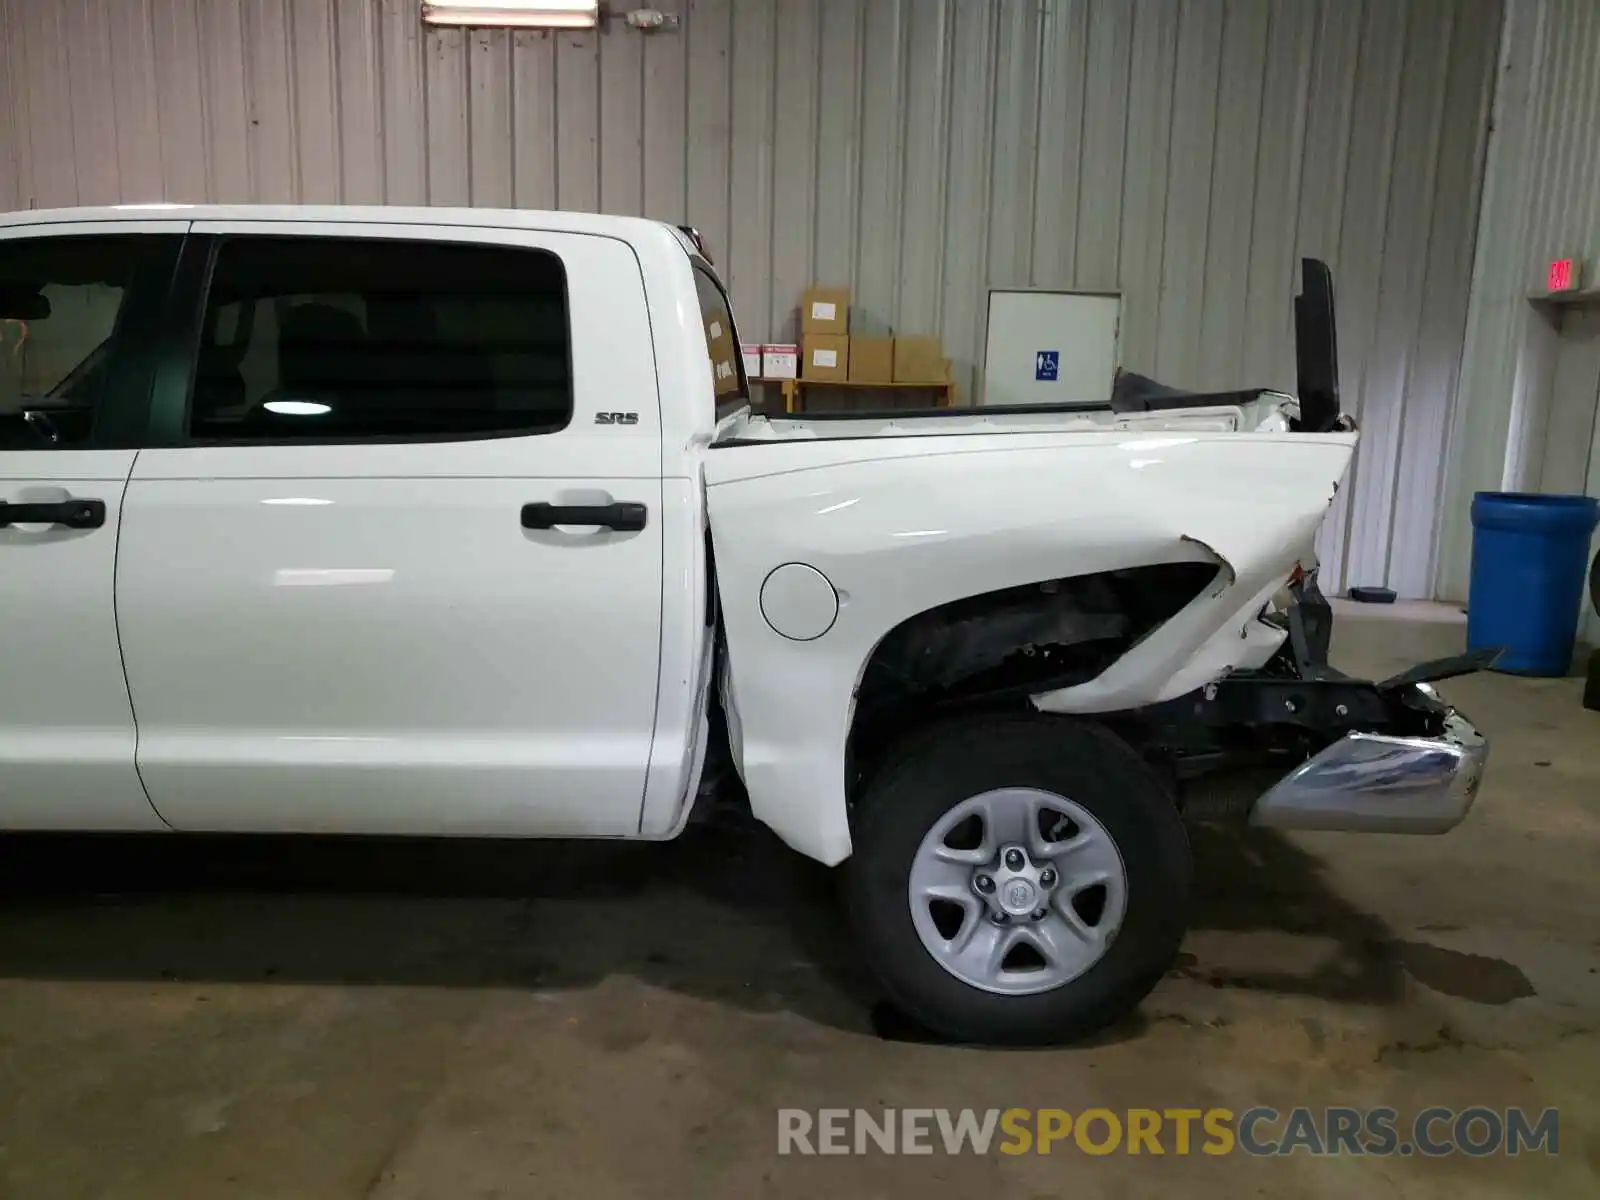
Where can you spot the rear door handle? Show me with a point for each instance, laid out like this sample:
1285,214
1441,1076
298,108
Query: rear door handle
624,518
74,514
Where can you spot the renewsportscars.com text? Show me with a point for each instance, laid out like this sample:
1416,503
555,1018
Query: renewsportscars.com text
1259,1131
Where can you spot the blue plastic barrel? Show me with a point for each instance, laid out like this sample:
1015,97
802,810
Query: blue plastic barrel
1530,553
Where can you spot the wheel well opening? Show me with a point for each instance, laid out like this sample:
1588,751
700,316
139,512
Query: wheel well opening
994,649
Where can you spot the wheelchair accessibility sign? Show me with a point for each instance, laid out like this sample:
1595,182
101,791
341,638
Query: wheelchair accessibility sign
1047,366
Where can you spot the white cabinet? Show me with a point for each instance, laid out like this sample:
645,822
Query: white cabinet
1051,347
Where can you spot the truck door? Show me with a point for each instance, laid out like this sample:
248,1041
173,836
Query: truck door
393,564
77,305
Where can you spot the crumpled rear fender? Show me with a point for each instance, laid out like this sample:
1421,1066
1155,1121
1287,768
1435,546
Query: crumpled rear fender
900,525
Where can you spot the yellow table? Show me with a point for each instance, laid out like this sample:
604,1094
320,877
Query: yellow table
794,389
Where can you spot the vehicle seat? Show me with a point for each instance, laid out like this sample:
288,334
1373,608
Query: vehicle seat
427,382
322,356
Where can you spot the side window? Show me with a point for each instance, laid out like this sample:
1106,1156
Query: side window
346,339
727,364
61,299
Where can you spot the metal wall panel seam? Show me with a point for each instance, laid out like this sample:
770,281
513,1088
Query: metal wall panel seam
1436,126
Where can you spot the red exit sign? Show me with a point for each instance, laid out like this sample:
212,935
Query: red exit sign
1563,275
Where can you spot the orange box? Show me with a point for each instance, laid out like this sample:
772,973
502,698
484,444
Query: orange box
919,360
826,358
825,310
871,359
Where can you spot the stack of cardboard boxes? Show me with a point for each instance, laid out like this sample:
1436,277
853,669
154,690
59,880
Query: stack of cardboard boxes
831,354
825,334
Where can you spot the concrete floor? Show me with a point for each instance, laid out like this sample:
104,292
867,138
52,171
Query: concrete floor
289,1019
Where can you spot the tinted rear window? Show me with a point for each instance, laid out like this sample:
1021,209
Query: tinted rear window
346,339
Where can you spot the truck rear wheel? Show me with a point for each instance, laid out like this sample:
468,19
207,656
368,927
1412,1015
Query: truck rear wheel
1018,879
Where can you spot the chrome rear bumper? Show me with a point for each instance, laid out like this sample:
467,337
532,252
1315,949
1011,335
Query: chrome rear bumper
1375,783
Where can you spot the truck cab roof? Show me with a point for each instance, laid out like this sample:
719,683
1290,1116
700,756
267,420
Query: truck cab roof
599,224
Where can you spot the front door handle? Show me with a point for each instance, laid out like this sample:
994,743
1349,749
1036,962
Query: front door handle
624,518
74,514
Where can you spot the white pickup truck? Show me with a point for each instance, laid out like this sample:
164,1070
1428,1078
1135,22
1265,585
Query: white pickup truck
445,522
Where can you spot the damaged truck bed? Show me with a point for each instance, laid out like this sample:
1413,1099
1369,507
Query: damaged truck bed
1162,582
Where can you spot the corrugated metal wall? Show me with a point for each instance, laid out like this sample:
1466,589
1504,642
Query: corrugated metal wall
1183,151
1542,202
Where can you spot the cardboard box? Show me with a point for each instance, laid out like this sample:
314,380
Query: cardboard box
919,360
780,360
750,352
719,343
871,359
825,310
827,357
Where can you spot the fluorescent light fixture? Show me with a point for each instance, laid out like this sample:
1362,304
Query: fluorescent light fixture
526,14
296,408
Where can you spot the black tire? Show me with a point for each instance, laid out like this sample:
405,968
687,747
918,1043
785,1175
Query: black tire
943,765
